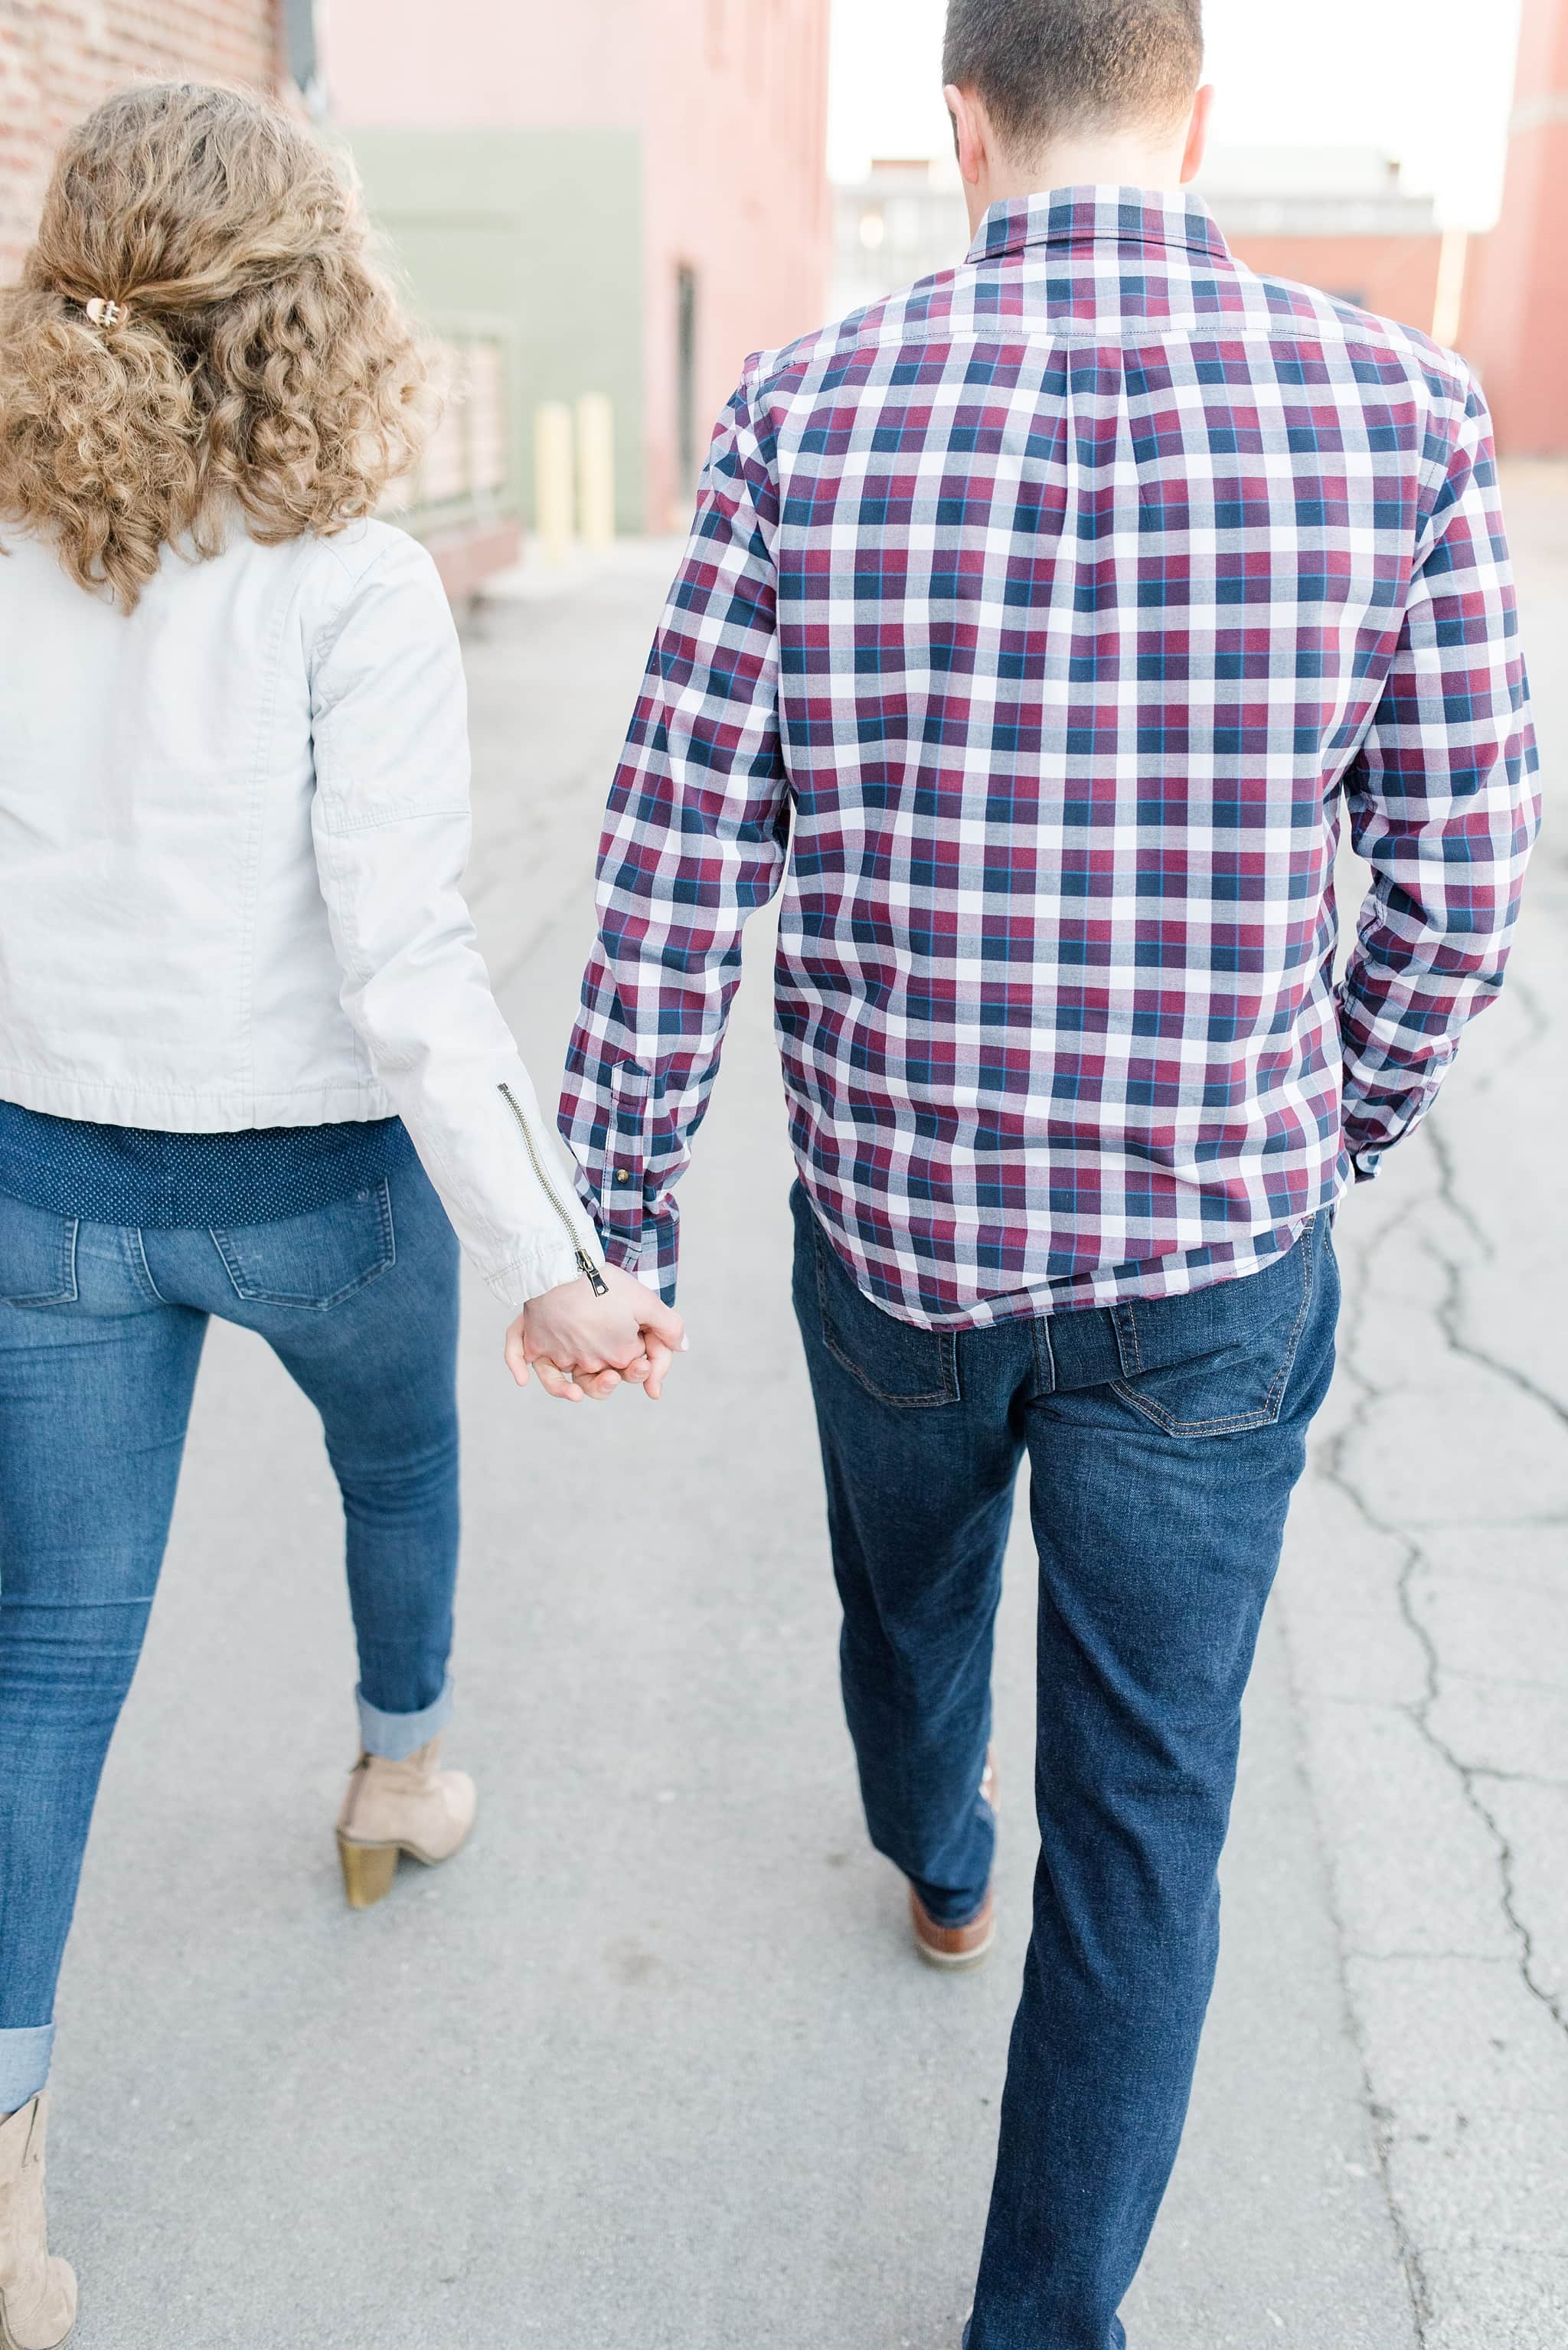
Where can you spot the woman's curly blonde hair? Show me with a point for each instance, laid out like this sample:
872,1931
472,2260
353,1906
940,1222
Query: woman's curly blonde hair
257,357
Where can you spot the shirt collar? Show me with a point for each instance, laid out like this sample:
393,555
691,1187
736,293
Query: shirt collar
1100,215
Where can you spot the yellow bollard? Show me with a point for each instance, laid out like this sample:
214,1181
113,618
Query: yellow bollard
553,483
596,470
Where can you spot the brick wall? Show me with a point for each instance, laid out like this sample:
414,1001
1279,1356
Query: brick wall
58,57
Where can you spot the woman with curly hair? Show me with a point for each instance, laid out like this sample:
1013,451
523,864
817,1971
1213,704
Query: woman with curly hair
250,1063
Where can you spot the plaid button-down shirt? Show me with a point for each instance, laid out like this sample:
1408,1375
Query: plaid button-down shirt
1036,628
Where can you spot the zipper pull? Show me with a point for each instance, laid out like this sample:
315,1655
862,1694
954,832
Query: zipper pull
586,1264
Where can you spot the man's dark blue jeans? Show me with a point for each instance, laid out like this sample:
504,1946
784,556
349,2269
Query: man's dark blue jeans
1164,1441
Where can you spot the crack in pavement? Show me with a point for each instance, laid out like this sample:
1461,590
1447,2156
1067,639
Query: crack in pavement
1336,1468
1380,2116
1451,1307
1334,1471
1424,1957
1450,1312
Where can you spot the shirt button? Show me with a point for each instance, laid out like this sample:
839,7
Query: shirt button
623,1177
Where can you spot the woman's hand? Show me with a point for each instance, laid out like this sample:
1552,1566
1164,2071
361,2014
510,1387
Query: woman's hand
584,1346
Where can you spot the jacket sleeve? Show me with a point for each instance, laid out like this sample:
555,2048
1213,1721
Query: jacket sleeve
392,824
1443,806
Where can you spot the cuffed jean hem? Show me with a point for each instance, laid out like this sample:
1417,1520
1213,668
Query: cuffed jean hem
950,1910
393,1737
24,2055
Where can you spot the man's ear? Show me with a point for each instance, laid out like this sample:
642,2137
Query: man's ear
1198,130
972,132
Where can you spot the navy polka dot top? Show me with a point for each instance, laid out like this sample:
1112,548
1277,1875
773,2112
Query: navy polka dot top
133,1175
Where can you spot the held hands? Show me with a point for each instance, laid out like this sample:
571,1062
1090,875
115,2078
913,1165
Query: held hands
584,1346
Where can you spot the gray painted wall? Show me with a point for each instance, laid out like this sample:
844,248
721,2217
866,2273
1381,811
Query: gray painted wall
542,229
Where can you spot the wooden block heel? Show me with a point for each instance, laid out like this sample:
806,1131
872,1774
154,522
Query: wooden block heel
409,1805
368,1871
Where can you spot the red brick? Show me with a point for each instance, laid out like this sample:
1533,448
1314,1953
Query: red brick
58,57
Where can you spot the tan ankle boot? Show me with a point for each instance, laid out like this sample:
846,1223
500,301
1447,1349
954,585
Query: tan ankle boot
392,1807
37,2295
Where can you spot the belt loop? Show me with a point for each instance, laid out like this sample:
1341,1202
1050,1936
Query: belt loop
1044,1356
1124,1322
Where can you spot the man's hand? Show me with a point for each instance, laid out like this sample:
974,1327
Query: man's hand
584,1346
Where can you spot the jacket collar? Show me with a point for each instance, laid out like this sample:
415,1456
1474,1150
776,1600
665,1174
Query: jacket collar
1107,214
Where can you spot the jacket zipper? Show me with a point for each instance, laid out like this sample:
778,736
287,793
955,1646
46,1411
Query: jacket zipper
586,1264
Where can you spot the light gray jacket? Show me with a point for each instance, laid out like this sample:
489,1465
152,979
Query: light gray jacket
232,832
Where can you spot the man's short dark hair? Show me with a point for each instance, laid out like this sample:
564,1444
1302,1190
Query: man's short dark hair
1047,67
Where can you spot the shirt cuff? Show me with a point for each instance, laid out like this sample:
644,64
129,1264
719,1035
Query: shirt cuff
638,1255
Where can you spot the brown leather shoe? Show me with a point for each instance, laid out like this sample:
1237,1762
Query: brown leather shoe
954,1948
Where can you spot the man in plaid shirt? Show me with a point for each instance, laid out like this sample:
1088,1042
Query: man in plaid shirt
1040,630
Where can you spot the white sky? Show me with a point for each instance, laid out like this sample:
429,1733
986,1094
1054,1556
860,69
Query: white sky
1427,81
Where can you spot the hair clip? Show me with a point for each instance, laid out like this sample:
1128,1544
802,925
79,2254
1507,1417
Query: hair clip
102,313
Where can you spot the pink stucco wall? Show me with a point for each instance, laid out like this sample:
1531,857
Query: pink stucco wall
518,64
737,128
731,98
1516,315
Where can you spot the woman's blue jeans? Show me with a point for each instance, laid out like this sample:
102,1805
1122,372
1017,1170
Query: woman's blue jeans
1164,1438
100,1335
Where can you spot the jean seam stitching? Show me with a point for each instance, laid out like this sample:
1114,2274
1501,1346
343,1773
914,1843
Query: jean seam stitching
146,1268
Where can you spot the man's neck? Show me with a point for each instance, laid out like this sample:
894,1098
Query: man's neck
1131,162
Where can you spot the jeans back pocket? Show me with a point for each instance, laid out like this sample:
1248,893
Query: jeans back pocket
37,1255
893,1361
1217,1361
314,1260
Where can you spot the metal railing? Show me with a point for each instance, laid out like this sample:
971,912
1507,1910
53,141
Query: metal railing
470,477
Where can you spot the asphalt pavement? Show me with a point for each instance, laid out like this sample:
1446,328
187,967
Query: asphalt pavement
651,2066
